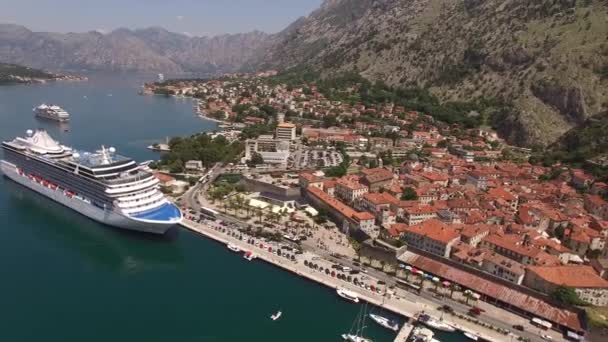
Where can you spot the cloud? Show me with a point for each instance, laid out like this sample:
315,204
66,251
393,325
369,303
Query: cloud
180,17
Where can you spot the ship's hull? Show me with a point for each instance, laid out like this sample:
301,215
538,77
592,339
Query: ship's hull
108,217
52,117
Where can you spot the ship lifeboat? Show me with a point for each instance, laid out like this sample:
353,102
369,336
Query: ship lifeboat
53,186
69,194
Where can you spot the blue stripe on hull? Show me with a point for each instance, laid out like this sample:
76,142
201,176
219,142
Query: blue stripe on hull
108,217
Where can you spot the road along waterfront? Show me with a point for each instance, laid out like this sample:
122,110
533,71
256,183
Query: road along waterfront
83,277
398,306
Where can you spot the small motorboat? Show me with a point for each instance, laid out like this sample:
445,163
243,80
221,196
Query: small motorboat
421,334
355,338
435,323
470,336
249,256
385,322
276,316
234,248
347,294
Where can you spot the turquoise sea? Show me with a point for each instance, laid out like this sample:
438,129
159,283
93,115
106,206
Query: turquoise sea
67,278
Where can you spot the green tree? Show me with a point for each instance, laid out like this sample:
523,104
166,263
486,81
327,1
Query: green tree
409,194
566,295
256,159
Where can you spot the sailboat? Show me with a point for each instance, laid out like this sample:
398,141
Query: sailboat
356,331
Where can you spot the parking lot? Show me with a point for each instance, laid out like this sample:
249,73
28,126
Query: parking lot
316,158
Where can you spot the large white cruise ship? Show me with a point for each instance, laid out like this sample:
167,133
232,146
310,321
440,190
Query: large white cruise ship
107,187
52,112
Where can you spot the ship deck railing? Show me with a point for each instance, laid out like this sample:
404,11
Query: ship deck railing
124,180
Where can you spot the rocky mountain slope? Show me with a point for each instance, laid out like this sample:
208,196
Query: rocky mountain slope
585,143
152,49
548,58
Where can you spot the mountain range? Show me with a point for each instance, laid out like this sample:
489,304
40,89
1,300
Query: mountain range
141,50
548,59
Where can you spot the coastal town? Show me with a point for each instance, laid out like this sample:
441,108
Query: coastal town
363,191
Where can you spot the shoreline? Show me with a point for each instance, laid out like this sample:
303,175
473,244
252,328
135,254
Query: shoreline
332,283
196,111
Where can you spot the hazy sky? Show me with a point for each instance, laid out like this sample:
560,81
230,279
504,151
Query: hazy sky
195,17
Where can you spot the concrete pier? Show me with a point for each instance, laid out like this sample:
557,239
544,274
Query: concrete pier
404,333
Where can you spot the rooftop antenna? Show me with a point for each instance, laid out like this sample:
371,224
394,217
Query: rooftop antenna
105,156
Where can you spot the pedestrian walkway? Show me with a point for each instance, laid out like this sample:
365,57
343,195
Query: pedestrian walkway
400,306
404,333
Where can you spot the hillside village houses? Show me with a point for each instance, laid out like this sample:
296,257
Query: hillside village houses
472,208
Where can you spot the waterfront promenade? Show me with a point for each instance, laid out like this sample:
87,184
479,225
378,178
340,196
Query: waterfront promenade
395,304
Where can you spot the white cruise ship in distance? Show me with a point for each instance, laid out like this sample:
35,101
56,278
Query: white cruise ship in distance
52,112
104,186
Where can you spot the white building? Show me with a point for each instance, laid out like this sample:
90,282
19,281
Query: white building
286,131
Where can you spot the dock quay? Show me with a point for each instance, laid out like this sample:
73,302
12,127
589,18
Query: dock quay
159,148
404,332
398,306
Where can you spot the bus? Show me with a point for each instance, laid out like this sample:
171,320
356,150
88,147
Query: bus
208,213
407,286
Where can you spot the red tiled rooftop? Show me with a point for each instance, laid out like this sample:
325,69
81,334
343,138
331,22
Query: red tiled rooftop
572,276
380,198
434,230
520,300
338,206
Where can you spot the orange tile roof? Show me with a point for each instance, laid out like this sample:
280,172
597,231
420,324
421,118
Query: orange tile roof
340,207
163,178
377,174
435,177
377,198
501,193
434,230
420,209
596,200
572,276
350,184
503,293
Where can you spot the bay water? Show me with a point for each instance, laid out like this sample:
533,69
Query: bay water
67,278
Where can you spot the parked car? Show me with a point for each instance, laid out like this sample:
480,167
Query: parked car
475,311
518,327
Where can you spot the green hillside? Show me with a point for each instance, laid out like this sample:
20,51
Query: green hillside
11,73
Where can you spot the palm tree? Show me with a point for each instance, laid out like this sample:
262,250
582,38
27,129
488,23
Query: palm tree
422,279
239,202
235,206
260,213
247,207
453,287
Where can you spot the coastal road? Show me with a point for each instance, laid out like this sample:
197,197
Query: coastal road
531,332
399,305
191,200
